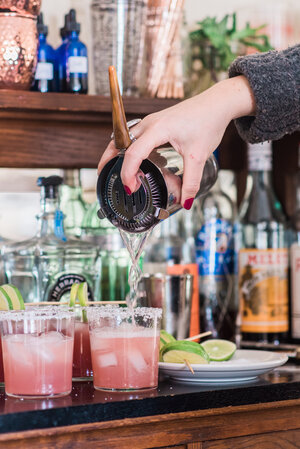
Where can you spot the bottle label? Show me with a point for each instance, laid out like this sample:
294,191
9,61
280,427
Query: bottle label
215,248
64,283
78,64
260,156
295,305
263,290
44,71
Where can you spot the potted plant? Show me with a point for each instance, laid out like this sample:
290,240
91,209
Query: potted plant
214,46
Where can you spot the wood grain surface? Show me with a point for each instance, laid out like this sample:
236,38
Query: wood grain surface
195,430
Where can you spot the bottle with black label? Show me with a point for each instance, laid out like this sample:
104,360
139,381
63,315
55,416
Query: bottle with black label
77,59
45,267
45,75
263,257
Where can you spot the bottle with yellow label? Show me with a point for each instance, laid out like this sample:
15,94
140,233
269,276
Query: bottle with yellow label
263,257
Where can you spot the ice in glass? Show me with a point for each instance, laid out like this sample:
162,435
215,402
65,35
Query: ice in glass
124,347
37,349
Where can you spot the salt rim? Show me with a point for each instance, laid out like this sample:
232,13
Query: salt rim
37,313
109,311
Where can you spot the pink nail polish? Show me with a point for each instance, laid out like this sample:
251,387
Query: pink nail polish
188,203
127,190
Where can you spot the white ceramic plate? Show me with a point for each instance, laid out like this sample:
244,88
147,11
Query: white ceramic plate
245,365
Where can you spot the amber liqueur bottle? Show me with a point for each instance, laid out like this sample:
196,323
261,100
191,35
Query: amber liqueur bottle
263,255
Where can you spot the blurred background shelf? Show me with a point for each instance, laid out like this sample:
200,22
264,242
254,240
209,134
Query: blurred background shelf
60,130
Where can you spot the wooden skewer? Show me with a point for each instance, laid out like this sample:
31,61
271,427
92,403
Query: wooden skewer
53,303
195,337
189,366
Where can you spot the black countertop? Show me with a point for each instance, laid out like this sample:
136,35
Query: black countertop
86,405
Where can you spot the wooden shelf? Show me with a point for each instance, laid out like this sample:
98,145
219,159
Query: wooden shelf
60,130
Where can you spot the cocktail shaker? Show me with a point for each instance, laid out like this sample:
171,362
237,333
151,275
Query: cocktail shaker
160,175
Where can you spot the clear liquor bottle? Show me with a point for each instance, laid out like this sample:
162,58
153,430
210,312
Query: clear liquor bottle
45,267
71,202
165,246
216,258
114,259
263,257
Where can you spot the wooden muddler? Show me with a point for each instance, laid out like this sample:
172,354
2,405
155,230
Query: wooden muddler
121,133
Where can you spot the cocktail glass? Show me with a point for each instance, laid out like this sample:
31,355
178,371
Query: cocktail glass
37,347
82,361
125,347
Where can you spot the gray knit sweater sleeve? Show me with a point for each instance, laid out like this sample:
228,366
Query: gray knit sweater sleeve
275,80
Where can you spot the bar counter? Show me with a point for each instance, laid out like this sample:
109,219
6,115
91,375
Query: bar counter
263,411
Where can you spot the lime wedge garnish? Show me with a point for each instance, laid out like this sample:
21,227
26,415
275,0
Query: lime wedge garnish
165,338
73,294
82,294
14,296
219,350
5,301
184,351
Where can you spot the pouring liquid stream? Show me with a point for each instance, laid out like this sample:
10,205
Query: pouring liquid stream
135,243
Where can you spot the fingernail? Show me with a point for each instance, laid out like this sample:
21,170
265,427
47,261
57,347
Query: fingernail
127,190
188,203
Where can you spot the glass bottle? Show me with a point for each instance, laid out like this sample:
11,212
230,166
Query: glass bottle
77,59
61,57
263,257
72,204
45,267
295,262
215,255
114,259
165,246
45,79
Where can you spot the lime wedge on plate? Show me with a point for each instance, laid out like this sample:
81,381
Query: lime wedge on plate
184,351
14,295
219,350
82,294
73,294
165,338
5,301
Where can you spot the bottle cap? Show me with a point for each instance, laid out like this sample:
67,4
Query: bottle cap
51,185
73,25
42,29
65,29
260,156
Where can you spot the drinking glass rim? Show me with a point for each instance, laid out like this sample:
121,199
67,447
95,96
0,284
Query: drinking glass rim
37,313
123,312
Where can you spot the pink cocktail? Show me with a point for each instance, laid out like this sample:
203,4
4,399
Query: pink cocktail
125,347
82,362
38,352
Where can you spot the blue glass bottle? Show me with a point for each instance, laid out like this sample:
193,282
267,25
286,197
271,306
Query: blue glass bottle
61,60
46,62
77,60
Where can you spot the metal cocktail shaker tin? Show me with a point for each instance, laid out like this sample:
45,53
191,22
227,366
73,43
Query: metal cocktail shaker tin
161,174
158,196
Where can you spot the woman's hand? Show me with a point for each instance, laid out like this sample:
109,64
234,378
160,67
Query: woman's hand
194,128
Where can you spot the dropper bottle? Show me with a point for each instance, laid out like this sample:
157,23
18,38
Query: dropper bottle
77,60
61,56
45,71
